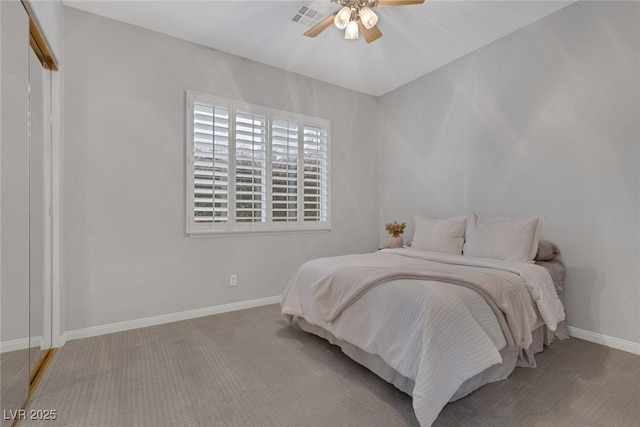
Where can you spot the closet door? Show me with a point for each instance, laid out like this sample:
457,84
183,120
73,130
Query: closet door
38,336
14,209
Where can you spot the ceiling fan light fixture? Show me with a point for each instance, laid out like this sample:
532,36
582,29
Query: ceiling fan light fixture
368,17
342,18
353,16
351,33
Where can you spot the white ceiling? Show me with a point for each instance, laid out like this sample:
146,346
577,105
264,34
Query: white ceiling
417,39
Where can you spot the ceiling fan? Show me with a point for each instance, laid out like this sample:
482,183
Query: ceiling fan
356,15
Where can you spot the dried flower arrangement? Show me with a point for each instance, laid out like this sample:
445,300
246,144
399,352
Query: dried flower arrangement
395,229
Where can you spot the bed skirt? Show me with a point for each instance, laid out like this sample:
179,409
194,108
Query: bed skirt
510,359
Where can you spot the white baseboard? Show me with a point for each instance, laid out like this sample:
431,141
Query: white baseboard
19,344
617,343
167,318
13,345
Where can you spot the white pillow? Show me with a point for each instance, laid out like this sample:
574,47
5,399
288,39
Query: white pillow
439,235
510,239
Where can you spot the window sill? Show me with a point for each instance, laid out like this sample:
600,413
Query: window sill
233,233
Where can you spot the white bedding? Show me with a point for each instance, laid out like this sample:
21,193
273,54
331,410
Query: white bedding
437,334
537,279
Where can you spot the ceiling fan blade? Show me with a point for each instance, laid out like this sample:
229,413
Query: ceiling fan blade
388,3
320,26
369,35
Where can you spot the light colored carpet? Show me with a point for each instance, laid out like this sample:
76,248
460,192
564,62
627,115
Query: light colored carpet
248,368
14,382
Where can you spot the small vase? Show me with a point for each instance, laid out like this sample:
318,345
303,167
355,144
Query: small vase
395,242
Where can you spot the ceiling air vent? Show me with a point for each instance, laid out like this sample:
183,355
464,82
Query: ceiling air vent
307,16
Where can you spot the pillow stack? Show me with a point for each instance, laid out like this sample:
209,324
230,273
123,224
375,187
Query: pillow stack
509,239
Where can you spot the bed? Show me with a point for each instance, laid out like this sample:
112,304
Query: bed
437,325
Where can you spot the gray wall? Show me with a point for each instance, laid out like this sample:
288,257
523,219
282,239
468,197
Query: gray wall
124,248
545,120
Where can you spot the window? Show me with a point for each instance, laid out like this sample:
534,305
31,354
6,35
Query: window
252,168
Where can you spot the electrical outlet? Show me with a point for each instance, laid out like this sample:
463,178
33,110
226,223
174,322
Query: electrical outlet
233,280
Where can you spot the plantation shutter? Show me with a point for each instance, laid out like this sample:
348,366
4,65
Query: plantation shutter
315,180
284,170
254,169
210,163
250,154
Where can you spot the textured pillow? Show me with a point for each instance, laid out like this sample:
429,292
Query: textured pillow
546,251
439,235
510,239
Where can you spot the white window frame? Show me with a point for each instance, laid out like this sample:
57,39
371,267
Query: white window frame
231,227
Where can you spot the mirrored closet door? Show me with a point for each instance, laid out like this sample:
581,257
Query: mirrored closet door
25,178
14,215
